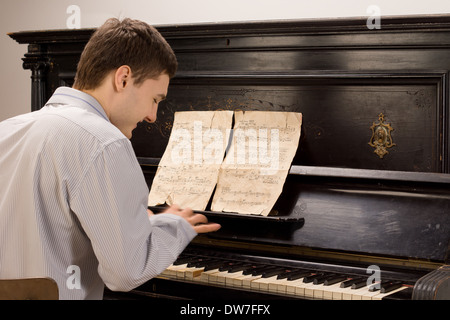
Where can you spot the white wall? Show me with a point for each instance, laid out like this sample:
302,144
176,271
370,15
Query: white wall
20,15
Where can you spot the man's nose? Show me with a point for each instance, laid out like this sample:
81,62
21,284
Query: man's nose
151,115
149,119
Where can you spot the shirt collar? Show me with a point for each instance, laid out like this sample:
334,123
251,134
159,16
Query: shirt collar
66,95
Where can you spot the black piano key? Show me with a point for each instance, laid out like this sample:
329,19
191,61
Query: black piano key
241,267
298,275
359,284
261,270
284,274
193,260
390,286
382,284
181,261
227,266
333,280
199,262
349,282
321,279
211,265
374,287
192,264
273,272
250,269
309,279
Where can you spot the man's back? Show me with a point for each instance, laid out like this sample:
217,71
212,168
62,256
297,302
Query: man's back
44,156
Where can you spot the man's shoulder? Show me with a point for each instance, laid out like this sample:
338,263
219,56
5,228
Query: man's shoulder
78,123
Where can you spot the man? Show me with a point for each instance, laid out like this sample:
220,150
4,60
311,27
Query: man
73,199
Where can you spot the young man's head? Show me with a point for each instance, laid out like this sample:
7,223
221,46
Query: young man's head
126,66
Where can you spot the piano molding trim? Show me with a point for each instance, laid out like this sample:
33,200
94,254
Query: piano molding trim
315,254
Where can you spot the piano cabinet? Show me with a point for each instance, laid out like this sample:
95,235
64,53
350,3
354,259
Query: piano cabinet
369,185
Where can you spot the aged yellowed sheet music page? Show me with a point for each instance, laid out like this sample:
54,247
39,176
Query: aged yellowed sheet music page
249,172
188,170
252,175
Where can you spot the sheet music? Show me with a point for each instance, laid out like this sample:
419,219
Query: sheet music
188,170
250,178
252,175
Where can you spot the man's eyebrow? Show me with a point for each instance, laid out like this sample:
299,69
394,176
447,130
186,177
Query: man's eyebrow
161,96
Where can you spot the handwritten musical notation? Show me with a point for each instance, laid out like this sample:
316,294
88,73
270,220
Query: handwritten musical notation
252,187
188,170
247,164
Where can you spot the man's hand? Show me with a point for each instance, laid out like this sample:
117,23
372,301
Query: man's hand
198,221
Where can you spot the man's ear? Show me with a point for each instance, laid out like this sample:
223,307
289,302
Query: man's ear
122,77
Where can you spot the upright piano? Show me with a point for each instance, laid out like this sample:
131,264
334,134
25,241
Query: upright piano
365,209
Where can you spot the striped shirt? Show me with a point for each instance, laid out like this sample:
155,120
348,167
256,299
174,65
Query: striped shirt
73,202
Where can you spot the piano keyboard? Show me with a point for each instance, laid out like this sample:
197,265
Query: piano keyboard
283,281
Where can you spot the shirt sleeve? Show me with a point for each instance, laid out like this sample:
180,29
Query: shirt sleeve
111,205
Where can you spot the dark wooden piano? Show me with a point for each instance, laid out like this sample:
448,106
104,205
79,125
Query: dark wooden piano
367,197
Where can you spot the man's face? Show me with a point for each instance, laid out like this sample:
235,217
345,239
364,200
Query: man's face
140,103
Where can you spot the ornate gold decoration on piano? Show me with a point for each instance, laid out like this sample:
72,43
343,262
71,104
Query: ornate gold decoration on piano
381,137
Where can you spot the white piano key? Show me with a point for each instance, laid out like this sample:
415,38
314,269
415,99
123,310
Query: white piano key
292,285
380,295
355,294
238,281
262,284
247,281
193,272
180,273
171,271
302,289
365,294
368,295
205,276
309,290
244,280
331,292
273,285
229,278
338,292
318,291
218,277
282,285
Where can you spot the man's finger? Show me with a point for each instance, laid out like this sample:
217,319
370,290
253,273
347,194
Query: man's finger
208,227
197,219
172,209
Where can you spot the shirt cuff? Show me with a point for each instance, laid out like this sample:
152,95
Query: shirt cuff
161,219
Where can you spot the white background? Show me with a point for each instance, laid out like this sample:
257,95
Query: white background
22,15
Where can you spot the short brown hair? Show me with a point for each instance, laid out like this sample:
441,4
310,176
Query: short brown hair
127,42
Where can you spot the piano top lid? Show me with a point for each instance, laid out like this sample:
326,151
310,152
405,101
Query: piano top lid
432,22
